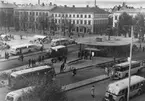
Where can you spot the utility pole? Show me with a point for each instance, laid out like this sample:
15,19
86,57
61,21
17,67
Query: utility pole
129,76
95,3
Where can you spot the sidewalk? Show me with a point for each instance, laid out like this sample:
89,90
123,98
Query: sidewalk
84,82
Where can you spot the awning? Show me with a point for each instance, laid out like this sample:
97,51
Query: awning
92,49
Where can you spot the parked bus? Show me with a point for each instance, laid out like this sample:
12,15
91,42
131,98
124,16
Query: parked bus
117,91
24,48
62,41
57,51
20,79
121,70
24,94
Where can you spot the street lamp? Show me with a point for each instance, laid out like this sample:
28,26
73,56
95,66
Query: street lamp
129,59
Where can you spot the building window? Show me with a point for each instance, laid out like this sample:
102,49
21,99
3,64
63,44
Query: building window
89,16
59,20
77,15
55,20
55,15
70,15
115,24
81,16
81,22
85,16
40,13
115,17
36,13
85,22
33,13
52,15
77,21
66,15
73,21
46,14
59,15
89,22
74,15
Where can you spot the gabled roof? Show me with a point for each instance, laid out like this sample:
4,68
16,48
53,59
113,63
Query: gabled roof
35,7
7,5
60,9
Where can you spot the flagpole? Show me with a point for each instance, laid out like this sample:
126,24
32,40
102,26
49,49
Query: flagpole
130,58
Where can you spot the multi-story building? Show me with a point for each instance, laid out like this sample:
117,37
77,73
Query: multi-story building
85,19
30,14
6,14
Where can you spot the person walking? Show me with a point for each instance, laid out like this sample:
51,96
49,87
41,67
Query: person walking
42,58
22,57
93,91
74,71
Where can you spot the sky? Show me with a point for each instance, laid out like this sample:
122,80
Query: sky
82,3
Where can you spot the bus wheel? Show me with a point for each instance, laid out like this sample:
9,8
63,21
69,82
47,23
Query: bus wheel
122,99
139,92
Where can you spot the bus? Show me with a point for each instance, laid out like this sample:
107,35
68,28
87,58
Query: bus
22,78
24,48
121,70
62,41
118,90
24,94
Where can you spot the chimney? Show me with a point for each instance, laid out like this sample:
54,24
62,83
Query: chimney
2,2
65,5
87,6
95,3
38,2
73,6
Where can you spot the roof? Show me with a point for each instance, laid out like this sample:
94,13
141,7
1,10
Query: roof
60,9
21,45
35,7
39,36
19,92
122,84
57,47
127,63
7,5
54,40
128,11
29,70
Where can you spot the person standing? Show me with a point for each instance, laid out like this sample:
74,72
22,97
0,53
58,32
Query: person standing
30,62
93,91
62,67
74,71
22,57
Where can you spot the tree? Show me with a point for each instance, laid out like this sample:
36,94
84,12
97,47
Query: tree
139,25
125,21
46,89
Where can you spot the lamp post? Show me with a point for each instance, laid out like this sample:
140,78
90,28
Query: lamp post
129,59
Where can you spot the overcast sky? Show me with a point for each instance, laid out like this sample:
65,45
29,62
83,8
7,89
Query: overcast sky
100,3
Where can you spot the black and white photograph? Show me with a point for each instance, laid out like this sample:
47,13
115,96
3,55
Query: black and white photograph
72,50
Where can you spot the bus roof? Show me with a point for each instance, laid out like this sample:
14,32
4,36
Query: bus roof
20,92
122,84
39,36
14,74
127,63
57,47
54,40
22,45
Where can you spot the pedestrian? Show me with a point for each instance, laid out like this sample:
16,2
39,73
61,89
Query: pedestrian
39,59
107,70
30,62
79,54
90,56
41,48
93,91
62,67
22,57
74,71
21,37
5,55
42,58
65,58
114,59
34,62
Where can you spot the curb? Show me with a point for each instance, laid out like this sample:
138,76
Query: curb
84,83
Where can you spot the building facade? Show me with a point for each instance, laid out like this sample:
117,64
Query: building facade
6,14
84,19
30,15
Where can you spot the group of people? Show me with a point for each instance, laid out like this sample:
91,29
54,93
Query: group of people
85,55
32,62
